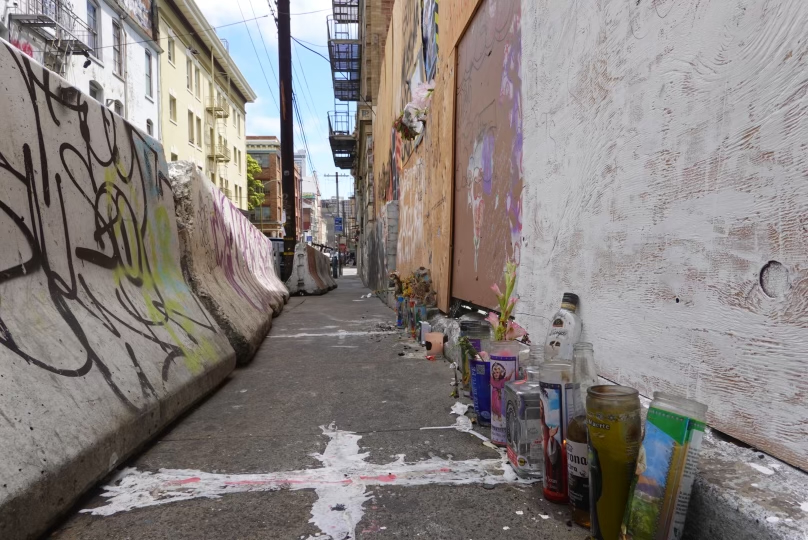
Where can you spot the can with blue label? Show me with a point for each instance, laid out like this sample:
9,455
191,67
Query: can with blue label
401,312
481,388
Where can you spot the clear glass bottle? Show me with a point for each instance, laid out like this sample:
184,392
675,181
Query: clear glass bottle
584,376
565,330
523,411
555,380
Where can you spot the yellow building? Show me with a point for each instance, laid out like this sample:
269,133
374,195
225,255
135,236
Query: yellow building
203,99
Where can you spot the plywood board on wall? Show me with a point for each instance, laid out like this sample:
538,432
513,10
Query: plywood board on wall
419,173
488,151
667,170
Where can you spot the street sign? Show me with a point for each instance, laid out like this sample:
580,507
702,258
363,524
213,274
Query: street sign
308,238
337,224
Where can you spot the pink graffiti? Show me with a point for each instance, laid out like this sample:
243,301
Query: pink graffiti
24,46
243,253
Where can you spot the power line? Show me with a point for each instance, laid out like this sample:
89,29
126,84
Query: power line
310,101
179,35
269,87
312,50
266,51
310,12
310,43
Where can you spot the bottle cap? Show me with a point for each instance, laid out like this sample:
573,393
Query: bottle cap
570,298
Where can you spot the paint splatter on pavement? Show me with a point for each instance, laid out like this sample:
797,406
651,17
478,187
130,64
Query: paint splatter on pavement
341,483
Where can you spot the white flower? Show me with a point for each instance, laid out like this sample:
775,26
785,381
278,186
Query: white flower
422,95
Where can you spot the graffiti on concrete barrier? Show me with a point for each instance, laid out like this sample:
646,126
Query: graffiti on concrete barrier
88,266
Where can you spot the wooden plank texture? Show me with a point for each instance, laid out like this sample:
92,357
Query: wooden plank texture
487,222
666,170
419,174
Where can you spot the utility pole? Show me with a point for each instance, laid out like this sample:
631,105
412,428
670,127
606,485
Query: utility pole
339,207
287,137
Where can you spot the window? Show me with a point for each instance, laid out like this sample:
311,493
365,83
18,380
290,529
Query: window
96,92
196,80
172,109
148,74
198,131
118,108
262,159
92,31
190,127
149,127
189,67
171,50
117,46
235,155
174,156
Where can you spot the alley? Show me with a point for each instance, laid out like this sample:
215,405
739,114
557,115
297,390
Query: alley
333,360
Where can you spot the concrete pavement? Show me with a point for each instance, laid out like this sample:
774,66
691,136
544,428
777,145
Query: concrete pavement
259,460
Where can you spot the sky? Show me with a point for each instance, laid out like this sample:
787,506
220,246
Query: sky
311,74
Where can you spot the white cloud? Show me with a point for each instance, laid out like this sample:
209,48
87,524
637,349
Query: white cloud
308,20
263,125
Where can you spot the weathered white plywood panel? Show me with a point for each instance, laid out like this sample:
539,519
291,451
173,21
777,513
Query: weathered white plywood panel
665,164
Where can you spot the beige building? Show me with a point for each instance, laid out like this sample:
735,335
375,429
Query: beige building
203,97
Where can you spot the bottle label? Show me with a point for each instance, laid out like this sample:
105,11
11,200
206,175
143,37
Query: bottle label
503,370
553,427
578,479
666,468
481,388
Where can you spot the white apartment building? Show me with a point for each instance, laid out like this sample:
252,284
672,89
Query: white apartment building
105,48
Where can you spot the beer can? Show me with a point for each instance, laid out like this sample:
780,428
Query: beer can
481,385
614,431
666,468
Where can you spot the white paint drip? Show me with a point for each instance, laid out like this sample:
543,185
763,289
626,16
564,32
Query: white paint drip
804,506
519,513
772,519
341,484
464,425
761,468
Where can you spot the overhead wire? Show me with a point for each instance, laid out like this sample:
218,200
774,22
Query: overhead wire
203,31
295,100
257,57
309,100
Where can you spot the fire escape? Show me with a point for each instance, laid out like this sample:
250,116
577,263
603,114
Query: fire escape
345,52
54,23
218,111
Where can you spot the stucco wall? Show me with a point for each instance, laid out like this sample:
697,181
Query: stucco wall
666,170
102,342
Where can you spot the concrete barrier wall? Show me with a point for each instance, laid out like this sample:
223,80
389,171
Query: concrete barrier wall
310,272
102,341
323,263
227,260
